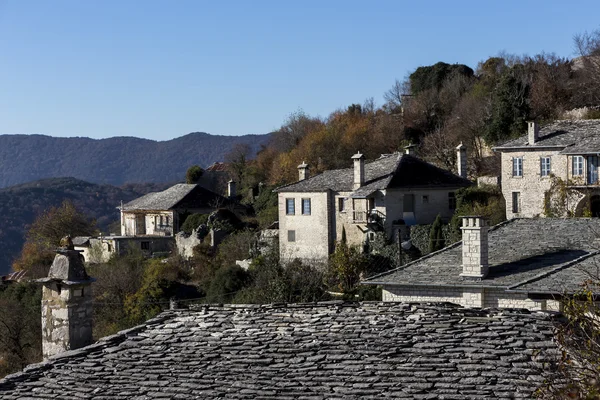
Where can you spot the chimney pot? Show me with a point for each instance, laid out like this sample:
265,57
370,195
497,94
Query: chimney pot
461,160
359,170
302,171
231,192
411,149
474,247
533,132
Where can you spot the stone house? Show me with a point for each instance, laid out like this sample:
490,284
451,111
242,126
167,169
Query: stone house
384,195
520,263
162,213
100,249
532,164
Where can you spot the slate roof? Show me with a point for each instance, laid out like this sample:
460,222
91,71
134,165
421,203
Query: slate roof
307,351
181,195
523,254
573,136
389,171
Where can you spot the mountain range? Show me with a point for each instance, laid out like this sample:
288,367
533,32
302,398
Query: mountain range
114,161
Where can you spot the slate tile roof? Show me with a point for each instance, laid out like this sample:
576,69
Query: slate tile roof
181,195
389,171
307,351
523,254
575,136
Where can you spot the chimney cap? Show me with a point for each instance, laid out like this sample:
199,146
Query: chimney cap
68,268
303,165
461,146
358,156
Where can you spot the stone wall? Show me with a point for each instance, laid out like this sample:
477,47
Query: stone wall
467,297
531,186
66,317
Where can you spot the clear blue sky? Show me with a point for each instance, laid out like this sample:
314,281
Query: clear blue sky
161,69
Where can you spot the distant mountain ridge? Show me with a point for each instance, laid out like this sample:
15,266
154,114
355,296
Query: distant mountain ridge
116,160
21,204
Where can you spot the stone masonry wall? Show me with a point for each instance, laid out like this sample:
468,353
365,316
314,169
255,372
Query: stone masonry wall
467,297
66,317
531,185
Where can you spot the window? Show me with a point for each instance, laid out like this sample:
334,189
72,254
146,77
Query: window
577,165
291,236
545,166
451,201
516,199
592,170
145,245
518,166
305,206
290,207
425,199
167,220
342,204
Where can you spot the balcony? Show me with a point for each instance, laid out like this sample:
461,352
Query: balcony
368,217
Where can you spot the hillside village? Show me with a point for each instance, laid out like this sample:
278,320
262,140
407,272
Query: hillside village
381,252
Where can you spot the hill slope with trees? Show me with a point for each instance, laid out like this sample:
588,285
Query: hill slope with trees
115,161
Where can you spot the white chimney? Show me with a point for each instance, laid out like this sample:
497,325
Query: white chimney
474,247
302,171
359,170
411,150
461,160
231,189
533,132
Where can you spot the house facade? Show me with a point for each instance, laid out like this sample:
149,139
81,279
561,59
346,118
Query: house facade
552,170
521,263
385,195
162,213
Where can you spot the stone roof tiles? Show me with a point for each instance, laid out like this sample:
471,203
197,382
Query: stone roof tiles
574,136
520,251
389,171
307,351
181,195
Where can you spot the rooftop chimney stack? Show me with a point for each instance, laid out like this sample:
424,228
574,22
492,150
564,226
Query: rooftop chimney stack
359,170
461,160
231,189
474,247
411,150
66,303
533,132
302,171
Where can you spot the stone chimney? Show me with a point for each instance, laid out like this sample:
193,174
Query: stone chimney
533,132
231,189
302,171
461,160
359,170
411,150
474,247
66,304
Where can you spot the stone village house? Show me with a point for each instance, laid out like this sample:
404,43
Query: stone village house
520,263
387,194
284,351
564,149
150,222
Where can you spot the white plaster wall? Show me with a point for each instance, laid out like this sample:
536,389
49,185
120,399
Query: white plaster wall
531,185
152,228
312,233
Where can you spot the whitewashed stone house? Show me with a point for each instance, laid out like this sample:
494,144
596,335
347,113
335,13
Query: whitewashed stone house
563,149
522,263
386,194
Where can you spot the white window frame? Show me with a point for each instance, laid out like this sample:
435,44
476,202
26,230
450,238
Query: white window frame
545,166
517,166
290,206
577,166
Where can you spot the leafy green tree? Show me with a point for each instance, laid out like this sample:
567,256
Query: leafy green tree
193,174
193,221
226,284
434,76
44,235
436,237
345,267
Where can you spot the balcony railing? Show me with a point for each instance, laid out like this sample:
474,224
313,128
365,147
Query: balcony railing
368,217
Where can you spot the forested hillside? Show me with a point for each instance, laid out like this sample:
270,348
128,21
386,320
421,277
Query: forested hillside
115,161
20,205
